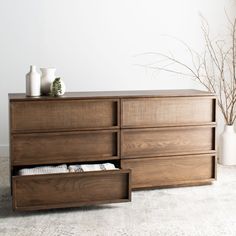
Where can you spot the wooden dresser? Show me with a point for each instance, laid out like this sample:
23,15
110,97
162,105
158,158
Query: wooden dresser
160,138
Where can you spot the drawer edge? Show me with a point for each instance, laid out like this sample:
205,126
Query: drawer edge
177,184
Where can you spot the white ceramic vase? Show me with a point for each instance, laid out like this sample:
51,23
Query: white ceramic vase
227,146
47,77
32,82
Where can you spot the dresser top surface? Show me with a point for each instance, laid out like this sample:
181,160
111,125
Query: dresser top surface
115,94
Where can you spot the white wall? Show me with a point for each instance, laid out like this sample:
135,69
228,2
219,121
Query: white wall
93,43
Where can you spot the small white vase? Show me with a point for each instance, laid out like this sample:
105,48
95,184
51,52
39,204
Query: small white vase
47,77
227,146
32,82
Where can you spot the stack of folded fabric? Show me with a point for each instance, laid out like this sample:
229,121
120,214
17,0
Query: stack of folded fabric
92,167
42,170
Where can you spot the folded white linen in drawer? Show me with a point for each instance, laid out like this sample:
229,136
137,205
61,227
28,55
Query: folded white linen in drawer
91,167
42,170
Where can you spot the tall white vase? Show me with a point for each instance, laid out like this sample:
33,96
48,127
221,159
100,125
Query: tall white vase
227,146
47,77
32,82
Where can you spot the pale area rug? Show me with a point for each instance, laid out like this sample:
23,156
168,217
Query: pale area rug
192,211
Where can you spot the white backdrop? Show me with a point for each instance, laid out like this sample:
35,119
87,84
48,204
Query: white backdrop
93,43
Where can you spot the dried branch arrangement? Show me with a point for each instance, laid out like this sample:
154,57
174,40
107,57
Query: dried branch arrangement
215,68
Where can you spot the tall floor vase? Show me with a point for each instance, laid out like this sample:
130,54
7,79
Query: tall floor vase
227,146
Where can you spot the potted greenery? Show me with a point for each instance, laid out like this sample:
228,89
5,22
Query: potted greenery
57,87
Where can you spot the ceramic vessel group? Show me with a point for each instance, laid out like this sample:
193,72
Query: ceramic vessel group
37,84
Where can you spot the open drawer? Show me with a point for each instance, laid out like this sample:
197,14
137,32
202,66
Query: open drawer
34,192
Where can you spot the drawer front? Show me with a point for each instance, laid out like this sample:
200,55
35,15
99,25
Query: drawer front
63,115
158,172
70,190
166,141
150,112
64,147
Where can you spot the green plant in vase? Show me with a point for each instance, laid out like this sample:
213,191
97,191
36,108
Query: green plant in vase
57,87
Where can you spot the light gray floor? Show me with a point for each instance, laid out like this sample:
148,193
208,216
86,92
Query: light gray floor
206,210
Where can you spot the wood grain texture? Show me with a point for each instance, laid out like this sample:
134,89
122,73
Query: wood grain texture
166,141
64,147
173,127
64,115
153,112
72,189
170,171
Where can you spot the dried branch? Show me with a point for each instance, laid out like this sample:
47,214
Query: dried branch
215,69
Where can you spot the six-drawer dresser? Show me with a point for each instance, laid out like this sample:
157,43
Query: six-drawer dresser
155,139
